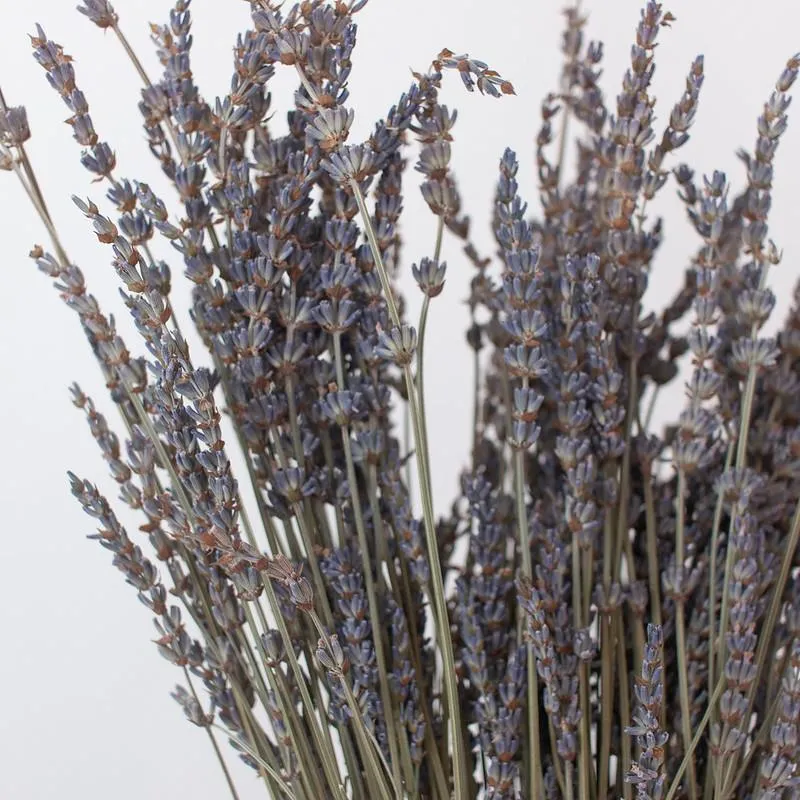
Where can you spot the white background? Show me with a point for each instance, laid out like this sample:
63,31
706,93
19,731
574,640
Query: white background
85,710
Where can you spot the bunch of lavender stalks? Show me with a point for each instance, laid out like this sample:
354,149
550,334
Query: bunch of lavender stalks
605,611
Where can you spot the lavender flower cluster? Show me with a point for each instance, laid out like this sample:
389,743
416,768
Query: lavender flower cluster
605,611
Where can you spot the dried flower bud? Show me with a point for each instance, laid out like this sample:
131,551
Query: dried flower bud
397,346
273,648
331,656
330,128
14,129
351,163
429,276
100,12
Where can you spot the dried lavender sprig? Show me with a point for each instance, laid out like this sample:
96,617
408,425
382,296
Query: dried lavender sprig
331,656
192,385
108,347
756,359
697,425
648,774
768,626
771,125
778,771
127,377
372,597
523,279
104,16
323,751
165,548
98,158
351,171
24,170
174,644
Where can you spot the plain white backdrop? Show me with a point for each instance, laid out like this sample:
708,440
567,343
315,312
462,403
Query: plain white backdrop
85,711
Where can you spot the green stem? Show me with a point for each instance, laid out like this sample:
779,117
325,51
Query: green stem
476,402
712,576
423,325
323,748
282,785
370,751
569,768
698,734
431,750
213,740
747,410
440,604
606,706
534,745
648,418
624,704
421,451
680,625
296,734
584,756
653,567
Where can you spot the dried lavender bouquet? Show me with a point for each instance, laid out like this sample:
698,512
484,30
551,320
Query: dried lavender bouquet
605,611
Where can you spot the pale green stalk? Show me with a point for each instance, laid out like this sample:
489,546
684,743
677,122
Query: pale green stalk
653,568
431,749
534,745
299,742
383,558
606,671
322,743
584,756
256,735
624,707
680,626
282,785
698,735
421,450
371,750
712,576
423,326
651,407
441,616
213,740
568,779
